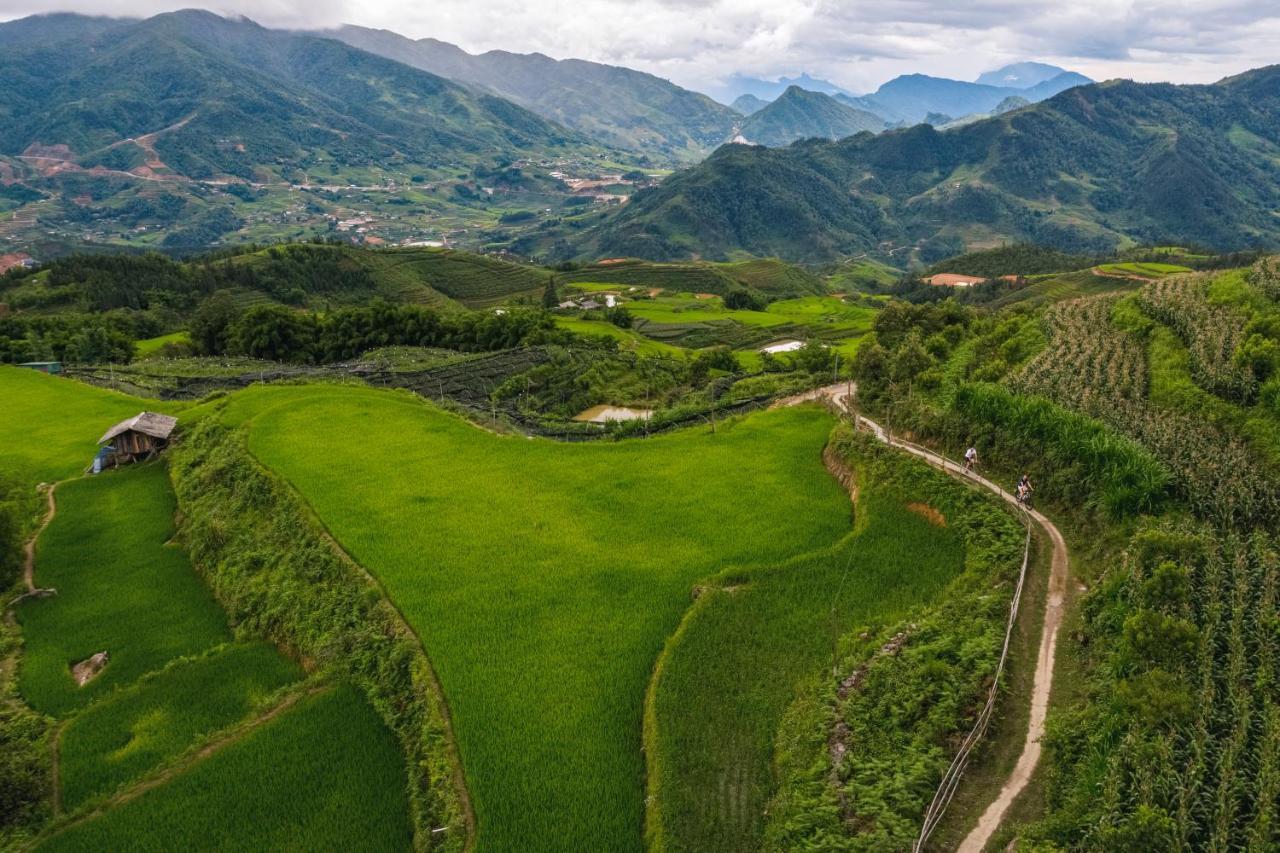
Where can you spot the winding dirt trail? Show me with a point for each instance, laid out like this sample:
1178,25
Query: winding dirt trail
28,562
29,555
1055,598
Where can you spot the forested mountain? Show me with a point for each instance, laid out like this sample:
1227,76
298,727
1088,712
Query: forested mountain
208,96
800,114
1090,169
618,106
188,129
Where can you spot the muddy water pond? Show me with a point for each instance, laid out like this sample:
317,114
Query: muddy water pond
600,414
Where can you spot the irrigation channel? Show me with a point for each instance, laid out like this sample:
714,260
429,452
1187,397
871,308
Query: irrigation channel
840,396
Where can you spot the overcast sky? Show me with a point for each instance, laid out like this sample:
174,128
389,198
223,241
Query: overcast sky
855,43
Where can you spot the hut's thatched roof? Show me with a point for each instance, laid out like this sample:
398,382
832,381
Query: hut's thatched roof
148,423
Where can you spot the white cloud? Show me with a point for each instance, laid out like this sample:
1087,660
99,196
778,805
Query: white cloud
856,43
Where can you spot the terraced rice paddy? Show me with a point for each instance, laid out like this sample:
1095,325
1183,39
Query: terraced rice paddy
738,661
183,740
128,733
324,775
533,574
121,589
1143,270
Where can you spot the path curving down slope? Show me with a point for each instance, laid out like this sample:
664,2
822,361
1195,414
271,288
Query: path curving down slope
1042,683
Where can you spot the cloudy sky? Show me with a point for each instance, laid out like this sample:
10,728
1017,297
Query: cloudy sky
855,43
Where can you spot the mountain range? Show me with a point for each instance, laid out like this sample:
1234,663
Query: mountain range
1090,169
914,98
800,114
738,85
613,105
201,96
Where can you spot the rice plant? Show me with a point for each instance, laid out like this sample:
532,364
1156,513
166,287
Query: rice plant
324,775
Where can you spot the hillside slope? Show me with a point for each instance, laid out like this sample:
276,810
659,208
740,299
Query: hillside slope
618,106
1089,170
222,97
799,114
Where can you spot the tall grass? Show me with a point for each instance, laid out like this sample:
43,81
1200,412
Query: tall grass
325,775
121,589
544,578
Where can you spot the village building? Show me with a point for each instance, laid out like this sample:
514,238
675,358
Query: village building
948,279
140,437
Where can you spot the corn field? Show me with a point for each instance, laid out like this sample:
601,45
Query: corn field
1265,276
1101,371
1211,332
1188,755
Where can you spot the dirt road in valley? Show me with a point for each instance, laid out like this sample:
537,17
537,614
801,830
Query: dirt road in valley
841,395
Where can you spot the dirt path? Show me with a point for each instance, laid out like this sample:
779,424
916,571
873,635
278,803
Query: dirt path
1042,683
29,550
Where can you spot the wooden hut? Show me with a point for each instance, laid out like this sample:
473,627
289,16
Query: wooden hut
140,437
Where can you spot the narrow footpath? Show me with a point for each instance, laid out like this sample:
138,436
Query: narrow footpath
841,396
29,555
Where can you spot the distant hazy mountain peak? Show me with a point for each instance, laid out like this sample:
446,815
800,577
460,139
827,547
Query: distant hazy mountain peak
1020,75
801,114
767,90
748,104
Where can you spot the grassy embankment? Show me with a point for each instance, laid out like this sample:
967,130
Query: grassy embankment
562,570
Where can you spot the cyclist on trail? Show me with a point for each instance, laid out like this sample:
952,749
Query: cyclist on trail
970,458
1024,488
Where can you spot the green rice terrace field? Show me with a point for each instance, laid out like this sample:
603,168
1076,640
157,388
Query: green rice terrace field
559,598
325,775
36,447
617,626
184,738
1143,270
688,320
120,589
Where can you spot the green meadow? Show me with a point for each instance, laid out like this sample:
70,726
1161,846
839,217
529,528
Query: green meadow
121,587
323,775
544,578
